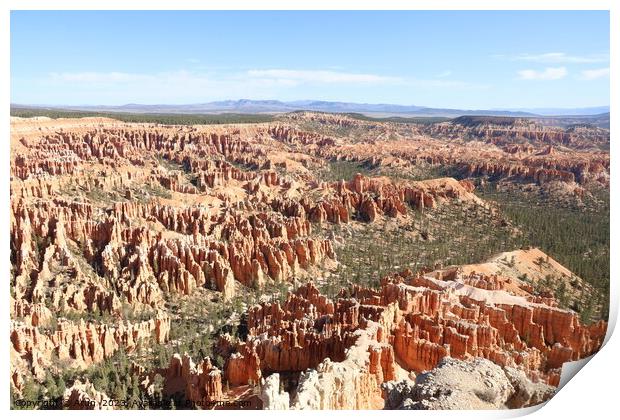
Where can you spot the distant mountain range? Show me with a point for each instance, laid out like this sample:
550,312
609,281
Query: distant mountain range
249,106
594,110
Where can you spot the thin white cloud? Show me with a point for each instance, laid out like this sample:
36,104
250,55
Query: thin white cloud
558,58
297,77
216,84
96,77
319,76
445,84
164,86
595,73
549,73
281,77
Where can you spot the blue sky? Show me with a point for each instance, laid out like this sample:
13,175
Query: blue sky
458,59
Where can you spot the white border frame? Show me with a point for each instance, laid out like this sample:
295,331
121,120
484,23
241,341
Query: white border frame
592,394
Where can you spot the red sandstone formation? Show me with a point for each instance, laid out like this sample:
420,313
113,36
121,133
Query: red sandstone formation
200,384
501,130
211,246
79,344
84,396
110,218
411,323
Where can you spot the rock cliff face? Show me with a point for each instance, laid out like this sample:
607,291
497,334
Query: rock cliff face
270,394
200,384
503,130
353,383
452,318
84,396
79,344
343,350
129,223
78,232
516,150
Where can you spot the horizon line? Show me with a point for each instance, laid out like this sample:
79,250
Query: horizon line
292,102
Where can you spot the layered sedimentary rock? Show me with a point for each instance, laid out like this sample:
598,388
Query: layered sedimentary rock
353,383
79,344
79,232
501,130
453,318
200,383
34,314
116,221
492,147
84,396
271,395
99,198
344,349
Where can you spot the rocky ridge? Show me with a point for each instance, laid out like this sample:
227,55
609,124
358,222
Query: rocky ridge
116,222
